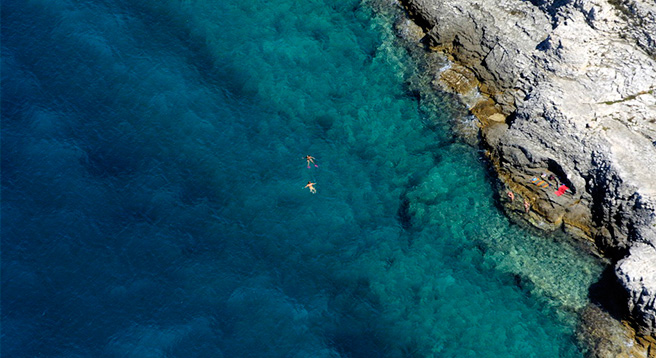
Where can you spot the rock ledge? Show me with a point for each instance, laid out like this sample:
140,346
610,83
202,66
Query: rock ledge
567,97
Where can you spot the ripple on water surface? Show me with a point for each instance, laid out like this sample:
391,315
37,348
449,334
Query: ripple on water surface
153,199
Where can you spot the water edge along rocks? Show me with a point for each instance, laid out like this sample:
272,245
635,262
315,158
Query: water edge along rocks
566,95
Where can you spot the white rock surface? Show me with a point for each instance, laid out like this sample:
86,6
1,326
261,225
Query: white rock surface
577,79
637,273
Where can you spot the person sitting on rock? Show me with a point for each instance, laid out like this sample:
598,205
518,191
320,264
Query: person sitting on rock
553,178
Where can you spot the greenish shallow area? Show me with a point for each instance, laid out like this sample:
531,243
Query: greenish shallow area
153,201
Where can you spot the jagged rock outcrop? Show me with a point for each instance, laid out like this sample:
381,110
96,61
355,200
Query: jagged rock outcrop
568,96
637,273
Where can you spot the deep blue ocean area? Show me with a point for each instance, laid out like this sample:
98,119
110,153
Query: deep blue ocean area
153,200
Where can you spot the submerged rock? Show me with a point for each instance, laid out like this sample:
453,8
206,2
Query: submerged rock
610,338
568,97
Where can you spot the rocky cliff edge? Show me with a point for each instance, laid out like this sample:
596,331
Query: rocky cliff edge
566,94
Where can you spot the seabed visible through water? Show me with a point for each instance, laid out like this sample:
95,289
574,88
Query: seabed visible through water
153,200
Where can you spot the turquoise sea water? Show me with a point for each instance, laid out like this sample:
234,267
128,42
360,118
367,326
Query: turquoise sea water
153,201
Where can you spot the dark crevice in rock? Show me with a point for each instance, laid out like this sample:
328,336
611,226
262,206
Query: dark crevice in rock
551,7
511,119
609,294
544,45
597,187
557,169
415,14
617,217
428,41
607,215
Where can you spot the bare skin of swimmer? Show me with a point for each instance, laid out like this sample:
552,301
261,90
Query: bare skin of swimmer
311,186
310,159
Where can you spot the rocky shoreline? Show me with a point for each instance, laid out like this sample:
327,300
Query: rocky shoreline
565,92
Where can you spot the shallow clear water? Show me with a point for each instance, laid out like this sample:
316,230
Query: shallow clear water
153,201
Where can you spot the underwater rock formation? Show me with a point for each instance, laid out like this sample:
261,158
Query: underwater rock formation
567,97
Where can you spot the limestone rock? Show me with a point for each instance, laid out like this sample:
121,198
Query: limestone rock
609,338
576,83
637,273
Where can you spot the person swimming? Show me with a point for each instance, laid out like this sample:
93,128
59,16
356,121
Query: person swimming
311,186
310,159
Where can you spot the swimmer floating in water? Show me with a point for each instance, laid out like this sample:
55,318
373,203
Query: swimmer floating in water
311,186
310,159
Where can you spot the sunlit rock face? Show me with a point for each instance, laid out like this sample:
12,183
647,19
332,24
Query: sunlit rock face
637,274
576,84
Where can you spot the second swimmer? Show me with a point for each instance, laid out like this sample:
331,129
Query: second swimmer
311,186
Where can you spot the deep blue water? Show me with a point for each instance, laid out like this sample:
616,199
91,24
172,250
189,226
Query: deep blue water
153,201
